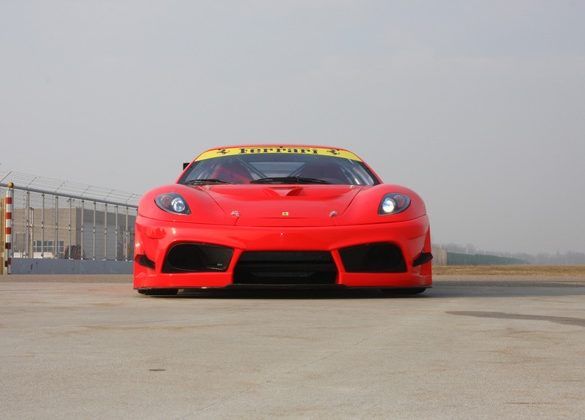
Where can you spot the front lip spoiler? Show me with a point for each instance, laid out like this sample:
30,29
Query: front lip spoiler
295,287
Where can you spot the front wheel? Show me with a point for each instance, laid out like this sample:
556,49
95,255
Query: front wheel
158,292
403,292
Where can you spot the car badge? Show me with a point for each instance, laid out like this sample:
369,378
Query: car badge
285,214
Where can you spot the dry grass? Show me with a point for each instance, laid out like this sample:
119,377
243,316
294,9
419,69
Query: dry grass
511,270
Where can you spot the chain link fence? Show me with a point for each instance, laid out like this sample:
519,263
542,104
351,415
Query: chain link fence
55,219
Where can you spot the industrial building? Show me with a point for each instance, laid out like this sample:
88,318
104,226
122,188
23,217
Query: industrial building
73,233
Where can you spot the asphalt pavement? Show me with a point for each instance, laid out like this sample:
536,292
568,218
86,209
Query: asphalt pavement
481,348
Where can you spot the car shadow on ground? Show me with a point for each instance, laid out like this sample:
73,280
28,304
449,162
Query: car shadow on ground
440,290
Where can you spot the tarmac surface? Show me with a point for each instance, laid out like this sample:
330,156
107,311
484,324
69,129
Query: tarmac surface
472,347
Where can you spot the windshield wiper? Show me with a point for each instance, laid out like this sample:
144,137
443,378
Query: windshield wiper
202,181
289,180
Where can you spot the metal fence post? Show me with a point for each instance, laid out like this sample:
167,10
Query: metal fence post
81,238
106,231
56,242
116,231
69,246
43,226
93,228
27,227
126,237
32,232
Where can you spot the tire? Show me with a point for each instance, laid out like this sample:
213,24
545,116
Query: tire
158,292
404,292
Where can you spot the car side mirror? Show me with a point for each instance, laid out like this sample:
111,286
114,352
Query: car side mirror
185,164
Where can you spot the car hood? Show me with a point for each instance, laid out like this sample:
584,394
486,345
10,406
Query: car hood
283,205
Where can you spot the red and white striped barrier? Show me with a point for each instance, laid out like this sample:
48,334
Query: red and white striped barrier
8,228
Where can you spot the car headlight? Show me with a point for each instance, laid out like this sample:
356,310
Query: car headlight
172,203
393,203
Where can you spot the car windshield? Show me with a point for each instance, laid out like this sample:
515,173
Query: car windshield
278,168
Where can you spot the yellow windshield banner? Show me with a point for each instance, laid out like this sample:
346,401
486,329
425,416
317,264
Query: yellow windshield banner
258,150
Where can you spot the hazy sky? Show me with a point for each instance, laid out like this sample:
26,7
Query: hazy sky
477,105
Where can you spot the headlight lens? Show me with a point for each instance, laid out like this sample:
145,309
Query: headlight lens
172,203
393,203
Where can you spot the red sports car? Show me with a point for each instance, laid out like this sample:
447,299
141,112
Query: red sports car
273,215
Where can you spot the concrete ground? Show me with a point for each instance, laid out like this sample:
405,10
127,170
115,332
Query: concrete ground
90,347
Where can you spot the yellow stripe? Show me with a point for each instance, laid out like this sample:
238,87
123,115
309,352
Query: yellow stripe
323,151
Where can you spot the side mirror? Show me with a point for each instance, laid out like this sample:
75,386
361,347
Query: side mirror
185,164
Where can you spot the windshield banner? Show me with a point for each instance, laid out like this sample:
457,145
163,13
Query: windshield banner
233,151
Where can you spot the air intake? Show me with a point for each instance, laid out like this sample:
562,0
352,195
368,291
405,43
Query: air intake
285,268
373,258
195,258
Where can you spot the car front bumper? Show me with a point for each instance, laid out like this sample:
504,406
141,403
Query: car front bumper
154,239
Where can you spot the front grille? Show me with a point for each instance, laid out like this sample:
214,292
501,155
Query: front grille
194,258
285,267
373,258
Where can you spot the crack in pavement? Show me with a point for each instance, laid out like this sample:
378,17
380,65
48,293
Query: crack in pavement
563,320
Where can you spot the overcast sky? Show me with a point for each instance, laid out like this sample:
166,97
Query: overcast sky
477,105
